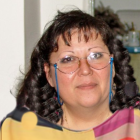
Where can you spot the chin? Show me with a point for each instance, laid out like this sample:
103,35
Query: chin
90,103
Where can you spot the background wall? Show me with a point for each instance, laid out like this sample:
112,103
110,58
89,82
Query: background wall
49,8
11,50
31,27
21,24
120,4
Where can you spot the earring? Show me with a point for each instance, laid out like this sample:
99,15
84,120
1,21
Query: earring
114,86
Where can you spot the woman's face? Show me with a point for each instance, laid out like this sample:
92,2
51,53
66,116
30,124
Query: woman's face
86,87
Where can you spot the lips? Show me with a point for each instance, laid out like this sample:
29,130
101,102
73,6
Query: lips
85,86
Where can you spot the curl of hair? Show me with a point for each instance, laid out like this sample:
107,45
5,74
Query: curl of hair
123,76
35,91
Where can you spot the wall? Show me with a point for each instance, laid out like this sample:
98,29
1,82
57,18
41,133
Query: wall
11,50
120,4
49,8
32,27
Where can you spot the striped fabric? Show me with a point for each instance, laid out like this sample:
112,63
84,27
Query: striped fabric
25,125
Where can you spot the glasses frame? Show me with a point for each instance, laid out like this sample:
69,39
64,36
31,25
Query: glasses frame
56,66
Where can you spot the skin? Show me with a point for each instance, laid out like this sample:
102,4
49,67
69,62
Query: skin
86,91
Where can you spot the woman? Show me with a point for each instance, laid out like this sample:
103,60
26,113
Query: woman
80,85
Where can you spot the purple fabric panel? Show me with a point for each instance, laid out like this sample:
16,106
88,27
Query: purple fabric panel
118,119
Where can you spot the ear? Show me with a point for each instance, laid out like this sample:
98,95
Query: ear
48,74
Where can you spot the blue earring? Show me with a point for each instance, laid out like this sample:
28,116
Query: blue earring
110,90
58,97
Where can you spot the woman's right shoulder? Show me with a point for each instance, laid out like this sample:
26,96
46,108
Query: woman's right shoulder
23,123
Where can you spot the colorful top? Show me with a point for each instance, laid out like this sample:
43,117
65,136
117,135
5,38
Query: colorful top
26,125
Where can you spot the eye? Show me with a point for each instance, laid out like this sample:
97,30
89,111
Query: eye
95,56
68,59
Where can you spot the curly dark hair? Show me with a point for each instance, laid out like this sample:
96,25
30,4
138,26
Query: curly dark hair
35,91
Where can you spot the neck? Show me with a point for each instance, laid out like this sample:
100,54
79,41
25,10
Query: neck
84,118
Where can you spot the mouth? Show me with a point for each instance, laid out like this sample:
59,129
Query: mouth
86,86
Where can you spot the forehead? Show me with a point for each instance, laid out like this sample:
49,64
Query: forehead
77,37
77,34
78,45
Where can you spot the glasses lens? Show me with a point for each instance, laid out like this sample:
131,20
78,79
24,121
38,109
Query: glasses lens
68,64
98,60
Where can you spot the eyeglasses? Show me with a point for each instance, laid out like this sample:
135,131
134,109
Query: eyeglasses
69,64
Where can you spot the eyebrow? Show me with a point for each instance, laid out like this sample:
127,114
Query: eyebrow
66,51
88,49
69,51
94,47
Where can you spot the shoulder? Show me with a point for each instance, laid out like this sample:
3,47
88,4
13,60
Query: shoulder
137,113
23,115
24,123
127,116
131,116
129,112
123,123
137,118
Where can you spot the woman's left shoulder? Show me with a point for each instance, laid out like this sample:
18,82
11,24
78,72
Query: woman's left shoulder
137,112
130,114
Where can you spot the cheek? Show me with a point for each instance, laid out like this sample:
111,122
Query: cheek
64,80
65,83
104,78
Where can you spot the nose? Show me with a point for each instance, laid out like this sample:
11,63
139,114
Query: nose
84,68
